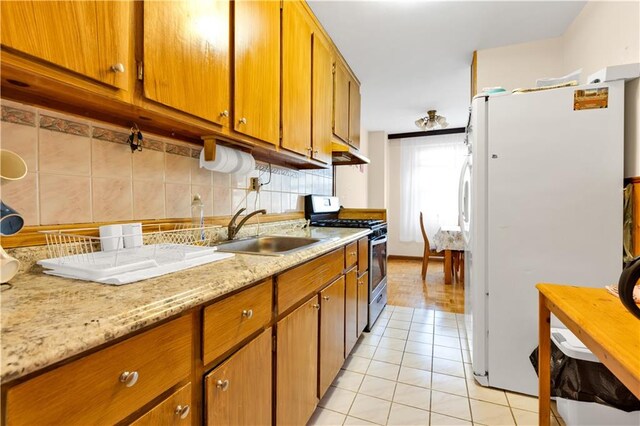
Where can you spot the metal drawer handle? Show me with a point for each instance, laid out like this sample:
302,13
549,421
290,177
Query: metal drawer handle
183,411
224,113
326,297
315,306
129,378
242,121
117,67
247,313
223,385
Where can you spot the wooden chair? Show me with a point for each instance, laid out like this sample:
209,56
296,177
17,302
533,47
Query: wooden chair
427,249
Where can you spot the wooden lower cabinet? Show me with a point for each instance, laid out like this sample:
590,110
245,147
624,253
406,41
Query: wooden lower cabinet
331,333
175,410
351,311
363,302
297,364
238,392
106,386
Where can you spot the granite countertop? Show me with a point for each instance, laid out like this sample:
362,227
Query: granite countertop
47,319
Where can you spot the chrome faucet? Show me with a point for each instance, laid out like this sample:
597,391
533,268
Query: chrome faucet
233,229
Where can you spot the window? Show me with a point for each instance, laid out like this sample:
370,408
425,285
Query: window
430,168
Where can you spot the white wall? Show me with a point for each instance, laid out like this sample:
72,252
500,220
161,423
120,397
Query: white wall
378,180
608,33
519,65
351,181
604,33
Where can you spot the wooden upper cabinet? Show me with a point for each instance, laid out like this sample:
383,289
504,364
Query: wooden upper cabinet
257,69
238,392
322,97
91,38
186,56
354,114
296,78
341,102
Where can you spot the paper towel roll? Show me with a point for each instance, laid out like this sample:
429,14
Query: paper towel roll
229,160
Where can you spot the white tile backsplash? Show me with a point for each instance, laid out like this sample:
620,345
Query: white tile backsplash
160,179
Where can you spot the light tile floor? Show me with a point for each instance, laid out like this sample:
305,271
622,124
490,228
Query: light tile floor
413,369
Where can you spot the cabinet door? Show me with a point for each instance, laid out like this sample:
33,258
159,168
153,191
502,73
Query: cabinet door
86,37
257,69
297,364
363,302
238,392
296,79
351,311
341,102
321,100
354,114
186,56
363,255
331,333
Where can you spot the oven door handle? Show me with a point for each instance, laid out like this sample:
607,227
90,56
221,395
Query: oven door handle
379,240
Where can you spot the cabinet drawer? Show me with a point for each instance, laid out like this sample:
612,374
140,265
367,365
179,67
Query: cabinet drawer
304,280
232,320
351,254
175,410
90,390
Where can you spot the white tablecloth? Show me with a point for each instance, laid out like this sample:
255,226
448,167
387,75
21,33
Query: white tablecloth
449,238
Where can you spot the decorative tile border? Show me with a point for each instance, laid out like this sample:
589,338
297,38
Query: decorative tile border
18,116
153,145
64,126
110,135
184,151
195,152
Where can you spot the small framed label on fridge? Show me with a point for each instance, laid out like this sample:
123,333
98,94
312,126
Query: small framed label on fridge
590,98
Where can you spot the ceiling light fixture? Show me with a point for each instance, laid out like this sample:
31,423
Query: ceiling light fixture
432,121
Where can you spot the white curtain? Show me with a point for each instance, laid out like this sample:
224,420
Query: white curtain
430,168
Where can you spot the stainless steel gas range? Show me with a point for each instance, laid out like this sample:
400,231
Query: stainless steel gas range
324,211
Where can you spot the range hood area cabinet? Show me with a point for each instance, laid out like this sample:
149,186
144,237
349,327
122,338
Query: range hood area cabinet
170,66
346,106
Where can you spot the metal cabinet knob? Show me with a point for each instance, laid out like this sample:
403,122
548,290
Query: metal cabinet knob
315,306
309,149
243,121
326,297
315,151
117,67
129,378
247,313
223,385
224,113
183,411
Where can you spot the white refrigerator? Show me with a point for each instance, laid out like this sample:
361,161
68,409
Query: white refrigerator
541,201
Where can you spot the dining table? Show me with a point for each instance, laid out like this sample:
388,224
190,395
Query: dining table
450,239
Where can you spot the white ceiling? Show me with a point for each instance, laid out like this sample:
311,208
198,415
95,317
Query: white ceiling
411,56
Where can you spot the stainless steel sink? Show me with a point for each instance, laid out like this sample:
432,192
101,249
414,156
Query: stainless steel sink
268,245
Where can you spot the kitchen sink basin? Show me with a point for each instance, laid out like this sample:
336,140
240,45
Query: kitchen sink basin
268,245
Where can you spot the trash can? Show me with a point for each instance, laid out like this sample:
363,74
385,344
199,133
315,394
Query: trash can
586,392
